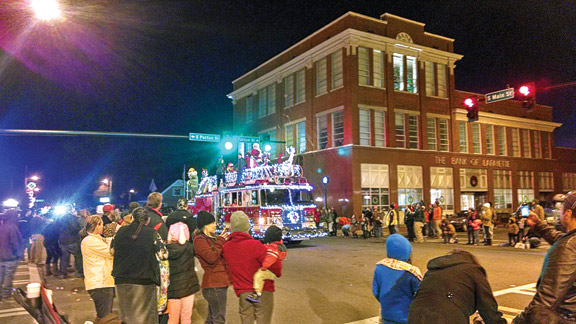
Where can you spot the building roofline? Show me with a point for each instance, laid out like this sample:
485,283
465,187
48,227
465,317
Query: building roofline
387,14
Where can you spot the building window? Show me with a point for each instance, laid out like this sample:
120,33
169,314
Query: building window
249,106
431,133
476,141
413,132
375,186
568,181
411,74
321,77
463,132
322,132
300,86
400,130
489,139
336,69
430,79
301,136
363,66
398,61
444,135
537,145
262,103
338,128
526,150
515,142
365,127
502,189
435,79
546,150
409,184
525,186
442,187
379,128
271,105
546,181
289,136
501,140
378,73
441,76
289,91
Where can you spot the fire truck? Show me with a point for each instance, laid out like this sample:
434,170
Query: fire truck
276,194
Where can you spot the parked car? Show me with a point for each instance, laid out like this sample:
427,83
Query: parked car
458,220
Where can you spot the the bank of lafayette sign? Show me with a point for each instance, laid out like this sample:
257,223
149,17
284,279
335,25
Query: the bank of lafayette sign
467,161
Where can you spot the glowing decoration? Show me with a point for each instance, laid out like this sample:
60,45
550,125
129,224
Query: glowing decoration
228,146
46,9
293,217
319,199
60,210
325,180
35,178
10,203
267,148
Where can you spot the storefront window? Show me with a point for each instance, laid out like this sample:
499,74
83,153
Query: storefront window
442,184
375,185
409,184
408,196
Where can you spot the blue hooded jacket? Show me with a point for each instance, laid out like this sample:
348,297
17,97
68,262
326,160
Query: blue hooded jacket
395,289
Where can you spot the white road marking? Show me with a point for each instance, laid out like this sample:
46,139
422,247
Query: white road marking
14,314
17,309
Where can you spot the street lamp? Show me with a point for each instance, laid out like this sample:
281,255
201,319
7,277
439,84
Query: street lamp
130,193
108,182
34,178
325,181
46,10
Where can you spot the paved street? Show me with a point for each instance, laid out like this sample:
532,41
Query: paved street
329,280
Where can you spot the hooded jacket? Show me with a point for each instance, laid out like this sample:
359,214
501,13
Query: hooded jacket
452,290
395,289
245,256
183,279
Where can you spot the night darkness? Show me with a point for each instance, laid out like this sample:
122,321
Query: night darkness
165,67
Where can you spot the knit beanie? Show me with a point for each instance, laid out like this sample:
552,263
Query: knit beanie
204,218
178,233
239,222
273,234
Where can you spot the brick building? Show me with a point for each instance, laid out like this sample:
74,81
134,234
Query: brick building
372,104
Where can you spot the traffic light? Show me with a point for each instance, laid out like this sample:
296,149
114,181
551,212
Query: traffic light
527,93
471,104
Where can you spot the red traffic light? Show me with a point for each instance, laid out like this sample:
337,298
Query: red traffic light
469,102
525,90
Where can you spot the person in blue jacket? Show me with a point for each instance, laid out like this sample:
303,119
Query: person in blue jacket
396,280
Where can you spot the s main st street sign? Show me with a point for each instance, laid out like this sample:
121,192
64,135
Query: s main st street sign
500,95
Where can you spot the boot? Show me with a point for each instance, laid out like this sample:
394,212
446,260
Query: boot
489,242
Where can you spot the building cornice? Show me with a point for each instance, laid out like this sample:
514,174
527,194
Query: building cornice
349,38
509,121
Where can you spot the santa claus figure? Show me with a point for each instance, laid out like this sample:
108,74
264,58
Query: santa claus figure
256,154
192,184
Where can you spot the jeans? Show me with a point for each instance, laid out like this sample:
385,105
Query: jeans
71,249
138,304
476,237
431,229
393,229
103,300
378,230
7,269
488,230
216,298
260,312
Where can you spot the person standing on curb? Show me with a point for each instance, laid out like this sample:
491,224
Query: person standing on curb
419,220
437,218
208,249
487,221
11,250
245,256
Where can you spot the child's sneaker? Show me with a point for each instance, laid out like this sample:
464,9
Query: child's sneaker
253,298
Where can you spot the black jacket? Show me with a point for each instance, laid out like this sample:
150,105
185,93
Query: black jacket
183,279
68,227
157,223
452,290
135,261
559,266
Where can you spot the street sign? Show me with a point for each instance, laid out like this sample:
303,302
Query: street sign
204,137
247,139
500,95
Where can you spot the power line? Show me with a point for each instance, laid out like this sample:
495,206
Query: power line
42,132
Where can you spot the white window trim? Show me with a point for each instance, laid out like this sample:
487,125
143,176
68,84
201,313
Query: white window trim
295,121
380,108
329,111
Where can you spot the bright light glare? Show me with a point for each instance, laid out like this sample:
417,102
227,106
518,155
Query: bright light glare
267,148
10,203
228,145
524,90
469,102
105,181
46,9
132,191
319,199
60,210
35,178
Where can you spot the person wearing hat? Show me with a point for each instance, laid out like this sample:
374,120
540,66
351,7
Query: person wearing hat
487,222
245,256
217,278
276,252
108,217
555,291
182,215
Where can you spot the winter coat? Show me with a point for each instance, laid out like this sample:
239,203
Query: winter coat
452,290
540,212
97,261
11,243
476,224
157,223
512,228
395,289
245,256
419,215
183,279
69,226
559,265
486,216
392,217
437,214
209,250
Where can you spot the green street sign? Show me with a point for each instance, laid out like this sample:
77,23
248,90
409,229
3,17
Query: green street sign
500,95
204,137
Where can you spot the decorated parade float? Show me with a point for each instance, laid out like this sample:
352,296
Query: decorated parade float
270,194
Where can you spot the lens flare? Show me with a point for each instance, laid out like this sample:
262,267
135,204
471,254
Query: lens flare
46,9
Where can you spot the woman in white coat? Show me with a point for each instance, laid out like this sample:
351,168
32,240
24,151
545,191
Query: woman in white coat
98,267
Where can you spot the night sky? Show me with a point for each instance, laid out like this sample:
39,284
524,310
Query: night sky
165,67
